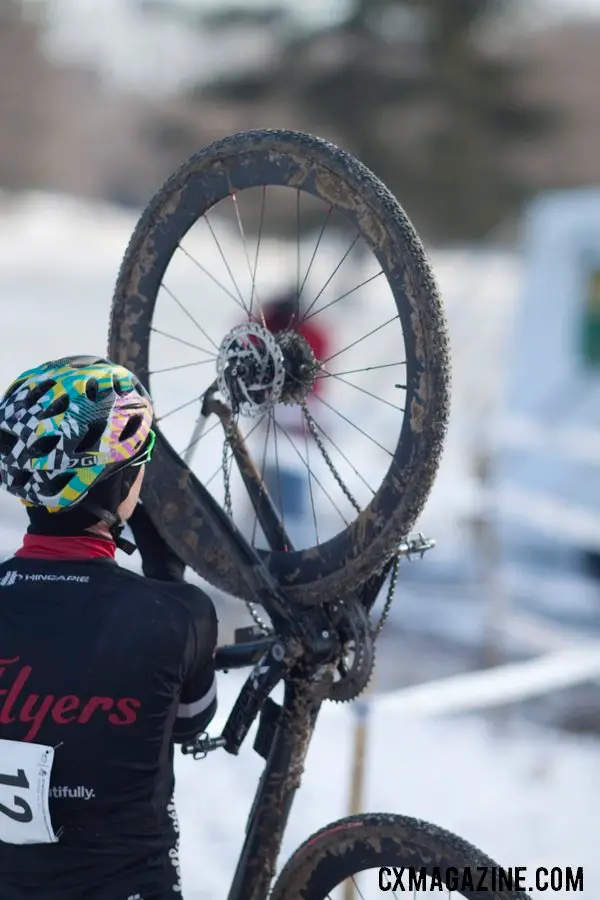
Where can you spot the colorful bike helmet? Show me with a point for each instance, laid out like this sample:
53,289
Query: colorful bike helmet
68,425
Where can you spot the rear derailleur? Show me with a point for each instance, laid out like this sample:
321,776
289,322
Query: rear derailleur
347,677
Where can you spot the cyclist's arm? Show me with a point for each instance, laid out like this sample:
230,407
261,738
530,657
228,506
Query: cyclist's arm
158,560
198,700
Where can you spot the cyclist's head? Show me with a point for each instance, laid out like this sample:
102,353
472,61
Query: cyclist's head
73,435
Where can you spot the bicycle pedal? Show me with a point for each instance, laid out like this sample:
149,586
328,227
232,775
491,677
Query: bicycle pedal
416,544
202,746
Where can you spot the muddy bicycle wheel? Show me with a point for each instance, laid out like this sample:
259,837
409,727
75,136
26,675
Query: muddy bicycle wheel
361,457
369,855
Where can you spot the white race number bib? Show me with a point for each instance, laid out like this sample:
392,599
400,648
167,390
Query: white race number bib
24,784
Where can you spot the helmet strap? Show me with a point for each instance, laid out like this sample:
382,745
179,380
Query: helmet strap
118,487
100,505
115,527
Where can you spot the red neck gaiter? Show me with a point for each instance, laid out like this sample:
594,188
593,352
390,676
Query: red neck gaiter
43,546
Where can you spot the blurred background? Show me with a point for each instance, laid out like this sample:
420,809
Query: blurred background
483,118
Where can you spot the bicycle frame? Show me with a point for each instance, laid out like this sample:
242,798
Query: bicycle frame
291,727
302,642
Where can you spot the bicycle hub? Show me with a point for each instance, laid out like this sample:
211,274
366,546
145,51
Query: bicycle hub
257,369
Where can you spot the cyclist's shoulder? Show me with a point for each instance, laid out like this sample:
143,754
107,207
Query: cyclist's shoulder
26,571
188,597
104,577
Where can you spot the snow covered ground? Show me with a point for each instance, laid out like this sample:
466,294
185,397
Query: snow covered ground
526,797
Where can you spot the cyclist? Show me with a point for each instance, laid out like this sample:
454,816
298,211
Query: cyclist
102,671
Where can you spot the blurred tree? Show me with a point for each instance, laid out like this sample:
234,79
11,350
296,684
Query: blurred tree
414,88
25,82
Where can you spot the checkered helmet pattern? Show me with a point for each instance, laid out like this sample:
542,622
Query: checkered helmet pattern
68,423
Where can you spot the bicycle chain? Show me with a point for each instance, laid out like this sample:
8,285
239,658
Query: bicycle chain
396,562
313,430
228,507
359,675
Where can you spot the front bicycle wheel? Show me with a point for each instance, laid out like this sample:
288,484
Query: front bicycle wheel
366,856
354,424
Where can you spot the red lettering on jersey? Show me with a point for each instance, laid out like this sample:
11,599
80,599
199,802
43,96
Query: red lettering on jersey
7,662
27,713
128,707
13,695
92,705
16,705
64,710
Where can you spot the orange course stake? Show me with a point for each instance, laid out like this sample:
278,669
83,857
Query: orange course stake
362,709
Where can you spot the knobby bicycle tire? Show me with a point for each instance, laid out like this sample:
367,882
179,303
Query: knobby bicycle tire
357,843
172,492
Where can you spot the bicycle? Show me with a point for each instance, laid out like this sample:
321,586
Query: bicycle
320,641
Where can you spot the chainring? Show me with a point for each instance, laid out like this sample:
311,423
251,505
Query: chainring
355,666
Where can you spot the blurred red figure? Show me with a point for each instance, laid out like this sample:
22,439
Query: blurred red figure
284,314
286,477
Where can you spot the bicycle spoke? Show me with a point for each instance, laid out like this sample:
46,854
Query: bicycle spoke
314,254
258,242
360,893
245,244
214,475
368,393
183,406
220,466
354,883
201,362
280,503
344,457
354,425
227,476
297,254
310,490
189,315
182,341
204,434
227,266
212,277
363,338
343,296
262,473
364,369
334,273
333,503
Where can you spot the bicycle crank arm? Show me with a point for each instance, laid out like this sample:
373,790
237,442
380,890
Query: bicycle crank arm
242,654
265,675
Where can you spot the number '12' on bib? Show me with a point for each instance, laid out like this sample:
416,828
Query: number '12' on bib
24,787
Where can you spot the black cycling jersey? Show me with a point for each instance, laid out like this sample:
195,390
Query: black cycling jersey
109,669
